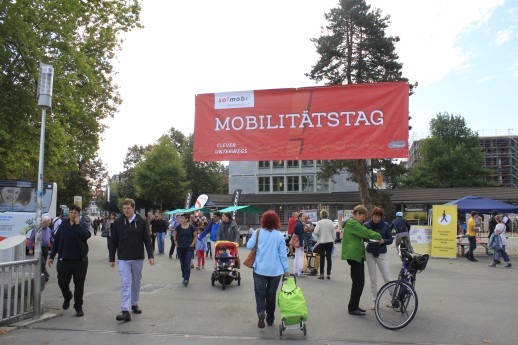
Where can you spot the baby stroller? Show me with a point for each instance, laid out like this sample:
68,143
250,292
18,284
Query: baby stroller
225,269
291,302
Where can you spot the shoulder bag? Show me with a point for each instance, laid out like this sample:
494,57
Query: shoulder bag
250,259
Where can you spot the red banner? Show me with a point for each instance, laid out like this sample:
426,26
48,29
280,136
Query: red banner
327,122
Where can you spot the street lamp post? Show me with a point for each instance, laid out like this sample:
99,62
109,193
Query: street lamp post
45,82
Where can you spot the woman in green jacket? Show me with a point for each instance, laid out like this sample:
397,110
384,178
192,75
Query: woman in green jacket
353,252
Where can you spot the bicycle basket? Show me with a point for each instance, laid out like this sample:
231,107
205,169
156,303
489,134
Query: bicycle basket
419,262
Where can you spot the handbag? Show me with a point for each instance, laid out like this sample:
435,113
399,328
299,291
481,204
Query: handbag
295,241
250,259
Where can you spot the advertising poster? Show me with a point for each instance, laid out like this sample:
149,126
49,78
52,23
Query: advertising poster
444,231
324,122
421,238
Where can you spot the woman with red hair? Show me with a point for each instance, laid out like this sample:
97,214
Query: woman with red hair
271,262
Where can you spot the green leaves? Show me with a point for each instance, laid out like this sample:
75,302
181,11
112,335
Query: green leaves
80,39
451,157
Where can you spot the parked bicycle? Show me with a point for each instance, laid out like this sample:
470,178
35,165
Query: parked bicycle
396,302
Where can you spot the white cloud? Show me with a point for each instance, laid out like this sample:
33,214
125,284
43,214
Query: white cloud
503,36
429,31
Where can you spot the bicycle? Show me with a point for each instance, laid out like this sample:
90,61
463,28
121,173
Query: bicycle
396,302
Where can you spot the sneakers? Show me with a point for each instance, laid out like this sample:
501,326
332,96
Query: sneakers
136,309
260,322
321,277
328,277
123,316
79,312
66,301
357,312
493,264
197,267
185,283
508,265
474,260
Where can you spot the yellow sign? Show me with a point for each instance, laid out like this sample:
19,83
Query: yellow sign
444,231
421,238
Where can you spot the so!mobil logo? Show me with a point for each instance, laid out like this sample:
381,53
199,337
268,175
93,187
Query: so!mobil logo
231,100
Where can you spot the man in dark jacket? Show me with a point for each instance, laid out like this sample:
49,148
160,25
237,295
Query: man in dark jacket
130,237
402,231
72,249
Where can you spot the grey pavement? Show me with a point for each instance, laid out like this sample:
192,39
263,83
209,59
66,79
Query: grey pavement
460,302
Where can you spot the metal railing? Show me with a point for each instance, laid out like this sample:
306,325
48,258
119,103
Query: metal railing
17,290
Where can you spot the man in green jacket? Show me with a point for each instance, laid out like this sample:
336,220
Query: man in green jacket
353,252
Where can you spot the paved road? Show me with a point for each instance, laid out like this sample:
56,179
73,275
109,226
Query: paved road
460,302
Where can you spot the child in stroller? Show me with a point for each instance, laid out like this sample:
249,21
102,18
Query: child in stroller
224,259
226,264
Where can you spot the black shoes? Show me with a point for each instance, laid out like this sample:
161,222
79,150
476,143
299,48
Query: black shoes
66,301
79,312
362,310
260,323
123,316
136,309
357,312
474,260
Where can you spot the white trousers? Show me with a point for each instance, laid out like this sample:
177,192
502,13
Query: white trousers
131,276
298,261
383,263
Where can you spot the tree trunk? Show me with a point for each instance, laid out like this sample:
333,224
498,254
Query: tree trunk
364,185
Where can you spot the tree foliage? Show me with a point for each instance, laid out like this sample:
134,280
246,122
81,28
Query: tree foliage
450,157
203,177
160,177
79,39
355,49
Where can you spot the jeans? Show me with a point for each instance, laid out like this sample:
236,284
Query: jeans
358,279
472,246
265,292
185,255
76,269
501,252
160,237
131,277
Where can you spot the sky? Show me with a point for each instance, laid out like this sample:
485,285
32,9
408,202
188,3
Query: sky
463,54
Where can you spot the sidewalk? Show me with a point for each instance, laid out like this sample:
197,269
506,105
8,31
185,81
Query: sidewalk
460,302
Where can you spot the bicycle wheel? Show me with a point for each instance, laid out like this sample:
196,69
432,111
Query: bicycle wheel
396,304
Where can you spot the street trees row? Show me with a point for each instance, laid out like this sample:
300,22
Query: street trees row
158,176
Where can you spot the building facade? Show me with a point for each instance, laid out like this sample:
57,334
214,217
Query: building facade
284,177
500,155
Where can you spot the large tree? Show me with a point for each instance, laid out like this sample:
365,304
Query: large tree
160,176
450,157
79,38
203,177
355,49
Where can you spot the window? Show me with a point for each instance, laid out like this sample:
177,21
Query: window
264,164
278,183
278,164
293,164
308,183
264,184
293,183
322,186
308,163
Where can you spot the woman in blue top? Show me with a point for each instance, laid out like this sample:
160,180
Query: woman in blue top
271,262
185,240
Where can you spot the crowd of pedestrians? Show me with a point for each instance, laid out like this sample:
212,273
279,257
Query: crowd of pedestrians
130,238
